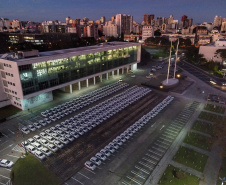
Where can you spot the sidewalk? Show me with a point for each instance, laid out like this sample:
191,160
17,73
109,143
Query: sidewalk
201,133
196,149
187,169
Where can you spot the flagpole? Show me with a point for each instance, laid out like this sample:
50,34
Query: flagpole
167,79
175,66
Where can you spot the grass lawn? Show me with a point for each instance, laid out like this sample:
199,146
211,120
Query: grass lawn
175,176
222,172
209,116
8,111
214,108
199,141
191,158
29,171
204,127
160,54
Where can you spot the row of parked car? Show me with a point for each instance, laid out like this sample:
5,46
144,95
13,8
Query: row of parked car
62,134
119,140
67,108
83,101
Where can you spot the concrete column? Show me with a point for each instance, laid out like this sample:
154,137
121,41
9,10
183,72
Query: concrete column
107,76
134,67
117,72
112,74
122,70
87,82
94,80
70,88
101,78
79,86
127,69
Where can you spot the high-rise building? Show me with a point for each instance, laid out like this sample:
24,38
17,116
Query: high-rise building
223,27
184,18
151,17
111,30
125,23
217,21
146,19
102,20
170,19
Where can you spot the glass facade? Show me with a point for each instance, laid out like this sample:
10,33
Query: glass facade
43,75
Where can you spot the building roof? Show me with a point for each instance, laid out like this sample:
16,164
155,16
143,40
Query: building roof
59,54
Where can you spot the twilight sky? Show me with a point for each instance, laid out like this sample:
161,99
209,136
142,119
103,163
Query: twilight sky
40,10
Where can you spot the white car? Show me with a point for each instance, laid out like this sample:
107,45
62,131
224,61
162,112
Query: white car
24,130
37,138
101,156
31,127
44,142
37,125
90,165
63,140
114,145
46,151
50,139
31,141
58,144
53,147
43,134
69,137
24,144
6,163
40,155
109,148
117,141
31,149
37,145
95,160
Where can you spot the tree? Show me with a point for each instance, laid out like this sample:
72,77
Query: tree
157,33
145,56
192,55
222,53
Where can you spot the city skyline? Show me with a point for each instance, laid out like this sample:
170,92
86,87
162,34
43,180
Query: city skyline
40,10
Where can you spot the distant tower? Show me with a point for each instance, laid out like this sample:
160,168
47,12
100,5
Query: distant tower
217,21
67,20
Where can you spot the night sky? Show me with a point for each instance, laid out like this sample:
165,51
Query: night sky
40,10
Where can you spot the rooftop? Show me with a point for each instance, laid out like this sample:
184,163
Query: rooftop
58,54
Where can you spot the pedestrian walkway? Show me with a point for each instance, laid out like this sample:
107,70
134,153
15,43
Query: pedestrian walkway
196,149
201,133
187,169
212,167
162,165
198,119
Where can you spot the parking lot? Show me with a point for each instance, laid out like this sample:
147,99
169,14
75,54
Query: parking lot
128,171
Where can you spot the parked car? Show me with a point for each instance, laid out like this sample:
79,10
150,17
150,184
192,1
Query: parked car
95,160
40,155
6,163
101,156
90,165
24,130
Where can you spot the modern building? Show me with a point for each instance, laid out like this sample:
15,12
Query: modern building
28,78
125,23
148,31
209,51
111,30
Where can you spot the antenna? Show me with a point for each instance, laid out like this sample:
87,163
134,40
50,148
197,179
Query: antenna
176,60
167,79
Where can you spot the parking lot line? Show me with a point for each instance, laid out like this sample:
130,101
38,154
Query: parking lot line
173,135
2,183
132,179
90,170
144,164
13,156
137,174
162,142
171,131
66,183
155,153
168,136
144,158
141,169
77,180
158,149
5,176
83,175
99,168
123,182
160,145
152,156
168,140
4,141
